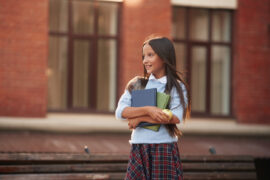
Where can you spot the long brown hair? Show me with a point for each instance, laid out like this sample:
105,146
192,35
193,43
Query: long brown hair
164,48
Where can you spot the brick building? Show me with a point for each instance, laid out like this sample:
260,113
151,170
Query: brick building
77,55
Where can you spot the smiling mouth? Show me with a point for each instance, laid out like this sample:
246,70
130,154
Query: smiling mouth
148,66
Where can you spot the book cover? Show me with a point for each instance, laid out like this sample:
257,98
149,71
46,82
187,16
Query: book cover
162,100
144,97
149,97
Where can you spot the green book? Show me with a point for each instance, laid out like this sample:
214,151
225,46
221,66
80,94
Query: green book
162,102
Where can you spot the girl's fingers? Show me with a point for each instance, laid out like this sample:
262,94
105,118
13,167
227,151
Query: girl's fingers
165,117
160,116
157,118
130,125
160,119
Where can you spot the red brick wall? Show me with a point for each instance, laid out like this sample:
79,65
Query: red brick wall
140,18
24,52
23,57
251,84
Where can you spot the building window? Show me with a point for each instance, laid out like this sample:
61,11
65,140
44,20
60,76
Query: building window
203,42
83,46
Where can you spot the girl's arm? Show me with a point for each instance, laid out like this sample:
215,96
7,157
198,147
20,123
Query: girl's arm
133,112
133,122
150,111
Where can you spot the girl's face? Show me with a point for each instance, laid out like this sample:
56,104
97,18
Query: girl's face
152,62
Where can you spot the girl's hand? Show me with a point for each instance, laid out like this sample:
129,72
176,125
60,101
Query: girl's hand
157,114
133,123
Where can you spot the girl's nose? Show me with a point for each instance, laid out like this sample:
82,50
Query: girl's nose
145,60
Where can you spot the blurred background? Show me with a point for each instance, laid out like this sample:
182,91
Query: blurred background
65,63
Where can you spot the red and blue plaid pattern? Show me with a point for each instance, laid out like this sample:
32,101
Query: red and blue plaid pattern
154,161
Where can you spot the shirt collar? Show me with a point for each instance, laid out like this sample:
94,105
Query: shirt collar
163,79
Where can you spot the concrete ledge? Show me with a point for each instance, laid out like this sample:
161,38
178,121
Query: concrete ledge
82,123
224,127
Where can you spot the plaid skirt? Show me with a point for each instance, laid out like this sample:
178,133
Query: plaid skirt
154,161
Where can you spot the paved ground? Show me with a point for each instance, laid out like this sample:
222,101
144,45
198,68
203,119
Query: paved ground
117,143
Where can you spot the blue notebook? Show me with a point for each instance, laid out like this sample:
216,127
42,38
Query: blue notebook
144,97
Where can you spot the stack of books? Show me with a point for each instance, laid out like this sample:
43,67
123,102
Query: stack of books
149,97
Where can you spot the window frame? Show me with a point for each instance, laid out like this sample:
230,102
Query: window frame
208,44
93,39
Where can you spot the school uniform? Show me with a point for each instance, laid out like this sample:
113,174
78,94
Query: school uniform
154,155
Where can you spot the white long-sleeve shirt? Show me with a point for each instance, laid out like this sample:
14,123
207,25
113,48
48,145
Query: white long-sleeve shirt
145,136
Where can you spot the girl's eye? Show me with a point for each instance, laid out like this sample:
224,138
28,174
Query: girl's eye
150,54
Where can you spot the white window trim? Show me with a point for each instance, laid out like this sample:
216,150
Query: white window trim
224,4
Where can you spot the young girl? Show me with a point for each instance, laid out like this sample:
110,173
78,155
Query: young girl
155,154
